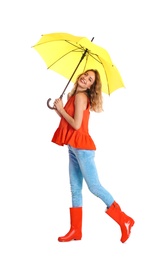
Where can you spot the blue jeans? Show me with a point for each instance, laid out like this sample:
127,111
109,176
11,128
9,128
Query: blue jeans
82,166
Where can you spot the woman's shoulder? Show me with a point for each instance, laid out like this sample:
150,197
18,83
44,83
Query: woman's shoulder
81,99
82,95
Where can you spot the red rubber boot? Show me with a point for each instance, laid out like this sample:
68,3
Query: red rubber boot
125,222
75,232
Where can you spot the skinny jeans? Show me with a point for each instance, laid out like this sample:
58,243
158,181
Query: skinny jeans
82,166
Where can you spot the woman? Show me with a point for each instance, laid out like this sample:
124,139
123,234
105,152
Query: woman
86,96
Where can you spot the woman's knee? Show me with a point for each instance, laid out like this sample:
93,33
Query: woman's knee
94,189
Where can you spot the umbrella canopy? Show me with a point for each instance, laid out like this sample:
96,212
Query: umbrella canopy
70,55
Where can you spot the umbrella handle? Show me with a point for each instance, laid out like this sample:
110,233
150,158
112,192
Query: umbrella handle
48,104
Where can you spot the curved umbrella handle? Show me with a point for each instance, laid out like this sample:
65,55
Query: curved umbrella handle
48,104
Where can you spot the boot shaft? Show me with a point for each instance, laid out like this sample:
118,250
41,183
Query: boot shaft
76,217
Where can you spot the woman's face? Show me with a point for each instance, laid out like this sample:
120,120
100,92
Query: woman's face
85,81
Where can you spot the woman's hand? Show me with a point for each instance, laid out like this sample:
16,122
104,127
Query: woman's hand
58,105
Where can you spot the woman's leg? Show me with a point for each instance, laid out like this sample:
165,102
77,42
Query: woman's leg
76,179
83,160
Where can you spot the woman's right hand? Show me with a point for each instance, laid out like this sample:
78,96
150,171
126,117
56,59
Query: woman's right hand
56,101
58,104
54,104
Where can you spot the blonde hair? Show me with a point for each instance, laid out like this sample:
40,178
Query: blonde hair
94,93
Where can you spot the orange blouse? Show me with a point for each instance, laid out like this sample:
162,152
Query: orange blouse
67,135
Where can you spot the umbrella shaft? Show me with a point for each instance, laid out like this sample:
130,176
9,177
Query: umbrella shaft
74,73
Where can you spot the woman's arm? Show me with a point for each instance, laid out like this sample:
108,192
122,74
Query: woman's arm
80,105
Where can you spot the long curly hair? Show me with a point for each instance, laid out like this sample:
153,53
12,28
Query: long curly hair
94,93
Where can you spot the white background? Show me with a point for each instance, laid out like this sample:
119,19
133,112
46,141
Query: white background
129,134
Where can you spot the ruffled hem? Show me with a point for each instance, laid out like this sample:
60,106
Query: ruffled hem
76,139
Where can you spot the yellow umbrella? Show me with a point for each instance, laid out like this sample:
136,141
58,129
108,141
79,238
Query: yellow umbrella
71,55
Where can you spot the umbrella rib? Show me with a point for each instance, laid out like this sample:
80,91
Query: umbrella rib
77,49
82,48
107,79
98,60
102,65
56,41
62,57
105,75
